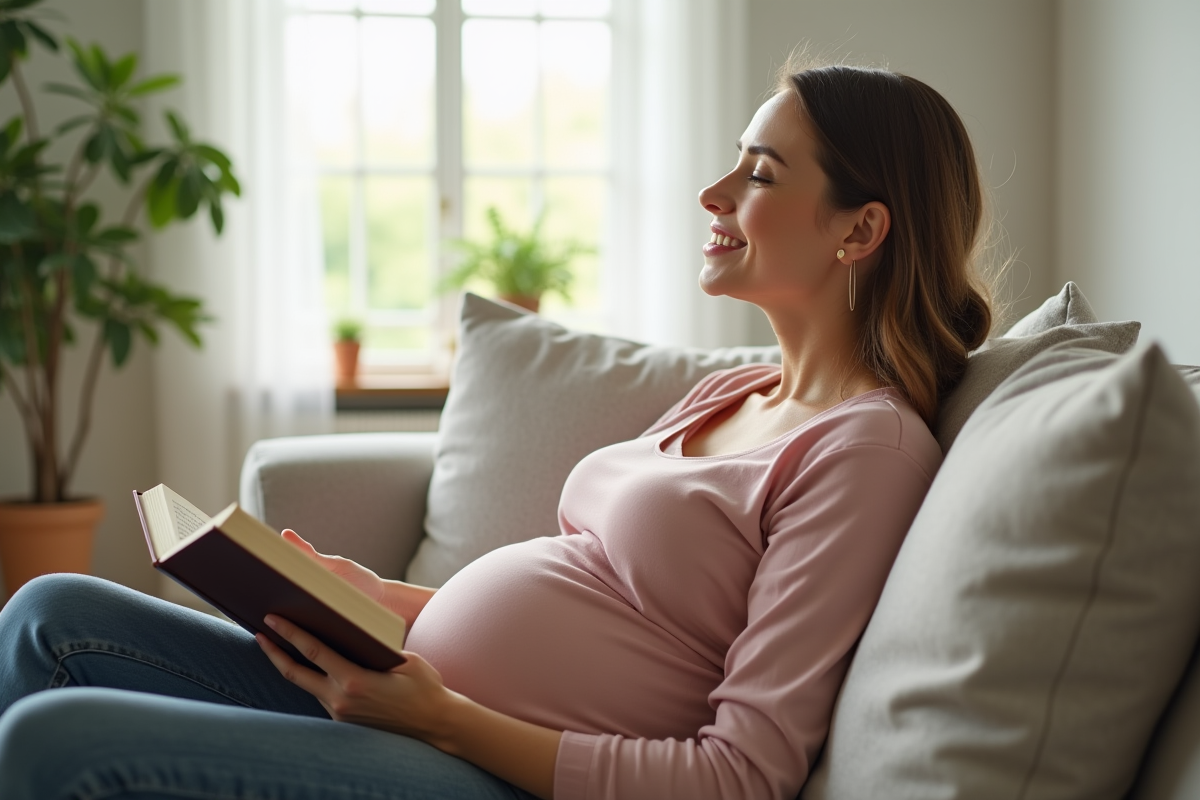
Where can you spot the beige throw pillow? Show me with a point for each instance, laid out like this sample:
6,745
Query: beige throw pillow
528,400
1045,601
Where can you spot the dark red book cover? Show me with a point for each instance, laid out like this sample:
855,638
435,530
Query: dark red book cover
246,589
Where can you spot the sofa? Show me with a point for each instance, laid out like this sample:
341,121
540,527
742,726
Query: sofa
1037,635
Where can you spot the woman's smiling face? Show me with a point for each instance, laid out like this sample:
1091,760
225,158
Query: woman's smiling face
782,245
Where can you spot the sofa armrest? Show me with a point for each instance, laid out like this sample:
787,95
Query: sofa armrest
358,495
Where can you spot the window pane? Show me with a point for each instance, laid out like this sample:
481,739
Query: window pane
575,211
499,8
399,6
575,8
398,87
511,196
398,233
499,87
324,5
575,74
335,238
390,338
324,87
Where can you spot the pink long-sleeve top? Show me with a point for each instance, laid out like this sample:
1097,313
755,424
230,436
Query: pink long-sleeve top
691,626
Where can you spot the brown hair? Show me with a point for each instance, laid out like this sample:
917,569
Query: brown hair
886,137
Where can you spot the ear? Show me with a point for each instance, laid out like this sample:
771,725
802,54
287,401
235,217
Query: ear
869,226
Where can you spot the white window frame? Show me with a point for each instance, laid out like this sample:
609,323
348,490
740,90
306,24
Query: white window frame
449,173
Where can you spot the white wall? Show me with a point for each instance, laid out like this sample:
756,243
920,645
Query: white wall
994,61
1128,163
120,453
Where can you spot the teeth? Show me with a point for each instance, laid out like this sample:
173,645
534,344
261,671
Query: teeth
725,241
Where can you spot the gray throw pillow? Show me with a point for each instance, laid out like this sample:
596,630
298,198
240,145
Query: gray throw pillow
999,358
1068,307
1045,601
1171,768
528,400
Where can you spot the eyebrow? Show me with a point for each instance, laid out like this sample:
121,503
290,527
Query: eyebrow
762,150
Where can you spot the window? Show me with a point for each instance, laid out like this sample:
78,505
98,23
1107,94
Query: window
421,115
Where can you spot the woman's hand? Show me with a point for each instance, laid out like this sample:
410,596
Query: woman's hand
410,699
404,599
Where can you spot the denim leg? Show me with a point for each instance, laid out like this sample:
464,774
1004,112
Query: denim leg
88,744
75,630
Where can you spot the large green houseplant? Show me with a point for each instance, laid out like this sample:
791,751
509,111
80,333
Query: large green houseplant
65,263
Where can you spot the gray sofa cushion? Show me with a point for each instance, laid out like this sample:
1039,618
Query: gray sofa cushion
528,400
1045,602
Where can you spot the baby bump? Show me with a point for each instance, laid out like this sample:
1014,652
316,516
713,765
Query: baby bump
530,631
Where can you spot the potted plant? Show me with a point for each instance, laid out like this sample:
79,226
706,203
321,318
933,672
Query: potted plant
520,266
65,266
347,339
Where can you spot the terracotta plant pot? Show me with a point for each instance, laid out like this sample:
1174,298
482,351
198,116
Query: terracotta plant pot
527,302
41,538
345,352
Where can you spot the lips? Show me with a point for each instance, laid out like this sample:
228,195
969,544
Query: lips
722,242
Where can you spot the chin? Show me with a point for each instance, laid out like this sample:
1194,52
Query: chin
711,283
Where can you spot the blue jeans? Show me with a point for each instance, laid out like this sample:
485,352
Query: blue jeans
157,701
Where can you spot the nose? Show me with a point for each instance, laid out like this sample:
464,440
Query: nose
715,199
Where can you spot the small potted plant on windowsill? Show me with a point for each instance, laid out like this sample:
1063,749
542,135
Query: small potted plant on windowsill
63,269
520,266
347,341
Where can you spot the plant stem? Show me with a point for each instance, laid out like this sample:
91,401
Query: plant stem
135,202
28,418
82,186
23,96
84,423
70,195
45,478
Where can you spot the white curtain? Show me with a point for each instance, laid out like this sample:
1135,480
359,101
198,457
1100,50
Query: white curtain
265,367
680,102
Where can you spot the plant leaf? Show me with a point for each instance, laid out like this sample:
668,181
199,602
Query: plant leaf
46,39
71,91
83,275
160,194
155,84
122,71
218,215
12,40
17,5
119,340
82,60
17,219
178,127
116,235
85,218
73,123
190,188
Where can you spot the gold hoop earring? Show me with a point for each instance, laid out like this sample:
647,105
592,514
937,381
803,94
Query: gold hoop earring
853,285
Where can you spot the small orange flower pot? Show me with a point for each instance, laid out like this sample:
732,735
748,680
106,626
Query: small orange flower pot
345,354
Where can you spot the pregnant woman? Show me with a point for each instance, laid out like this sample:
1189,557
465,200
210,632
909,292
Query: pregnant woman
686,634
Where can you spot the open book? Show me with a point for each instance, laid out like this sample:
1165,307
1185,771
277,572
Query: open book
247,570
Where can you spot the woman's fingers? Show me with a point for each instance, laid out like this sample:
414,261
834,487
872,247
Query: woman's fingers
295,538
305,678
309,646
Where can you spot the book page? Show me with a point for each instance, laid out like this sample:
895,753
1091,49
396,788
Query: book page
187,519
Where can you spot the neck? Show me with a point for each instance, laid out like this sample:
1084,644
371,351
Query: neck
821,363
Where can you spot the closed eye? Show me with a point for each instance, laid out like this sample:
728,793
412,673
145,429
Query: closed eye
759,179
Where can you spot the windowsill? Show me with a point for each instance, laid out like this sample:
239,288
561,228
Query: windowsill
390,391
